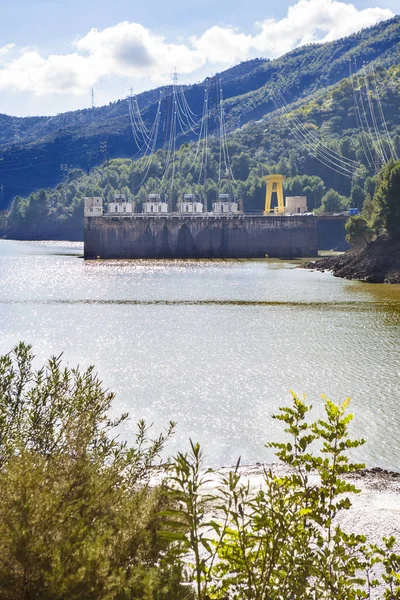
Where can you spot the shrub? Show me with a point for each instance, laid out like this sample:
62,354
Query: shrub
283,540
78,518
359,231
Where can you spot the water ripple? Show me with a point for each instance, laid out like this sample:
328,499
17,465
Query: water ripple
213,345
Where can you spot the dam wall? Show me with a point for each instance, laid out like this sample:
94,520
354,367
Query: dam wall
176,236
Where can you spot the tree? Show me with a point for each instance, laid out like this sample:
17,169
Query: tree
368,207
79,518
241,166
75,174
16,216
283,539
3,220
358,231
386,217
37,209
370,185
332,202
357,197
211,190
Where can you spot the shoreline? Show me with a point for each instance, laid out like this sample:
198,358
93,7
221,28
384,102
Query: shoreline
375,262
375,511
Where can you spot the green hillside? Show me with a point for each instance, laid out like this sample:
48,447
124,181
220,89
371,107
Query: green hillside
32,149
256,149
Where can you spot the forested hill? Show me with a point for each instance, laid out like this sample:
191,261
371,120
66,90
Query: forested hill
32,149
271,144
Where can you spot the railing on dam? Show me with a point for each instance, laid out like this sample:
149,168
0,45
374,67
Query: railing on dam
342,215
201,216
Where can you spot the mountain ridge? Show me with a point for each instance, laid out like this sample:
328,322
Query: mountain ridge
74,138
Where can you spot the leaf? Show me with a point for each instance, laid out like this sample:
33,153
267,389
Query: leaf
173,536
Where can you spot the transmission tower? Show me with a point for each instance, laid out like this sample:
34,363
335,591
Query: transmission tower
92,97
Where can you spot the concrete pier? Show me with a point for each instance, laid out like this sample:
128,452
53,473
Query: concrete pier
174,236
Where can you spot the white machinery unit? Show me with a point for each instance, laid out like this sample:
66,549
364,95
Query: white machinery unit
224,205
155,205
120,205
190,205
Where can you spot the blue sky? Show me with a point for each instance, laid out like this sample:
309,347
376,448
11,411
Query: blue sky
52,52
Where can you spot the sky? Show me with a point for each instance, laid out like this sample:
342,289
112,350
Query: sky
53,52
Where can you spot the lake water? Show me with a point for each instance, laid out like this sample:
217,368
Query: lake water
213,345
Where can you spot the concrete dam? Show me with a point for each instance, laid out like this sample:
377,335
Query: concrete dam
205,236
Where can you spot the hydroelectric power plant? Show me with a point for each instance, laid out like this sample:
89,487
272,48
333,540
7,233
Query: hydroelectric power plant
193,233
175,223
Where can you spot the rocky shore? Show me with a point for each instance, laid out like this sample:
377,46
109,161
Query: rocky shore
376,262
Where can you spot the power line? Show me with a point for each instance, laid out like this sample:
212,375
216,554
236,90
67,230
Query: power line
382,115
301,137
203,138
322,153
319,144
365,114
380,146
364,144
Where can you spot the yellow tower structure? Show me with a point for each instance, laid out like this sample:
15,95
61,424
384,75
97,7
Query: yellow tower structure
274,184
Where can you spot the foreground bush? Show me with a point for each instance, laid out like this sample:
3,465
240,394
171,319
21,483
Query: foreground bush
80,520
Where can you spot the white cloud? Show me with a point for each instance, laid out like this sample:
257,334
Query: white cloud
223,45
315,21
307,21
129,50
5,51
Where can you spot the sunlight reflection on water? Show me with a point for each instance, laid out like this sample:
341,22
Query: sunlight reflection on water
214,345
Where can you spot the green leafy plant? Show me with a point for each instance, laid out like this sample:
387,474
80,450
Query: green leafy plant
191,527
283,540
